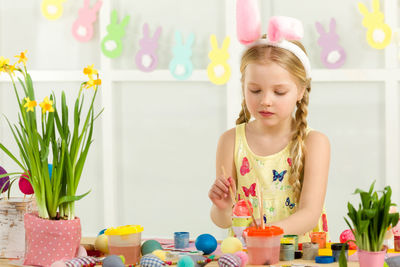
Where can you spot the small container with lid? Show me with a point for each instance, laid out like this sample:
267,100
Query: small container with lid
125,240
319,238
287,252
263,245
337,248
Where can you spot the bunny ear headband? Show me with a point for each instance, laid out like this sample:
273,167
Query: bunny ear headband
280,31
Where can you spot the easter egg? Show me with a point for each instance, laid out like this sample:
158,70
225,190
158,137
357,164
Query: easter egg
149,246
24,185
151,261
231,245
102,232
161,254
101,243
186,261
5,181
113,261
206,243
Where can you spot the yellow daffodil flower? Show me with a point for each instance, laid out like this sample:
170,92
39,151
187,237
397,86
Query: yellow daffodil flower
10,69
90,71
22,58
3,63
47,105
92,83
30,104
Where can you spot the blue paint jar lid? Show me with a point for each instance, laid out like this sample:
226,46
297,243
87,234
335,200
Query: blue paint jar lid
324,259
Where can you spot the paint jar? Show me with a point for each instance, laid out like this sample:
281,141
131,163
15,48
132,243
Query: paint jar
263,244
396,243
241,219
181,239
125,240
310,250
287,252
294,239
319,238
337,248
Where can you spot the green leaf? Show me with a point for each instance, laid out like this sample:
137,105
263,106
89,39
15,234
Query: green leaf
67,199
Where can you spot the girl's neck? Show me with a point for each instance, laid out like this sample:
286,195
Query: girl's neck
285,128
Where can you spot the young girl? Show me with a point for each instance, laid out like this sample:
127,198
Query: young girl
275,152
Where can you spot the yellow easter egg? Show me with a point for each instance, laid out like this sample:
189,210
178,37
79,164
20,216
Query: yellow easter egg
231,245
101,243
161,254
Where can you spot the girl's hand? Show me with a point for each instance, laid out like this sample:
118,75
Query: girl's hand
219,192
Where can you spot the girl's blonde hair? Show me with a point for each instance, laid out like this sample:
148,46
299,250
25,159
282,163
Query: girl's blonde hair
287,60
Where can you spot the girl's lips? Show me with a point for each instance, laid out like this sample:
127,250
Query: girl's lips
266,113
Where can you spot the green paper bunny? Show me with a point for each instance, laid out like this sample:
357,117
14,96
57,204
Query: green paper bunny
111,44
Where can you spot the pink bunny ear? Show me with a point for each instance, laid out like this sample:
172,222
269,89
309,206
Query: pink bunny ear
284,28
248,25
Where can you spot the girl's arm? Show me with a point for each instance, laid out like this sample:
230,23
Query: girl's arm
316,168
221,210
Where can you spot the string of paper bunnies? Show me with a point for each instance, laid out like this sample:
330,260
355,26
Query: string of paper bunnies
333,55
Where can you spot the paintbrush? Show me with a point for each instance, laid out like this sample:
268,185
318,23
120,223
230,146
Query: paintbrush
230,188
246,200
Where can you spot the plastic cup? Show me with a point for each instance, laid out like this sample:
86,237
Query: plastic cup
319,238
239,224
263,245
125,240
181,239
337,249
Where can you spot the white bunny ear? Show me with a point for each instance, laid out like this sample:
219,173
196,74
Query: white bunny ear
320,28
214,42
363,9
146,30
178,38
225,44
375,6
332,25
157,33
190,40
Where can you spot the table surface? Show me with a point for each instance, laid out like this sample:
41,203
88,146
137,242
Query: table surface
90,240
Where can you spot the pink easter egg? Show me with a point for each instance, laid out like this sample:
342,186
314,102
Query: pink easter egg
24,185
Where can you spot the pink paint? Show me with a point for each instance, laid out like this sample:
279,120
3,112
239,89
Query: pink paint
131,253
263,255
82,29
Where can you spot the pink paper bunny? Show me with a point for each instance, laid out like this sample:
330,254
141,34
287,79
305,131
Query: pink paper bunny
332,55
82,29
148,47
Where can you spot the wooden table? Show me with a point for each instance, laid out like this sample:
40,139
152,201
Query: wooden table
90,240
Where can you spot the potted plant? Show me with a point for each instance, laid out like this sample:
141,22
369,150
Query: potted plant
46,137
370,222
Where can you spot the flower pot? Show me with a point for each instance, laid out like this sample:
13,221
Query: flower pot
371,258
12,233
48,241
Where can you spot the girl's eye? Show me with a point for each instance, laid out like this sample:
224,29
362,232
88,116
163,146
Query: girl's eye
255,91
280,93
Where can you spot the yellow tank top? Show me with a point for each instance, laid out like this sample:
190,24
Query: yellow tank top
272,173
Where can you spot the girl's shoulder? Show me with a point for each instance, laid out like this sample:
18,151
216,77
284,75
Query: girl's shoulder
316,139
227,139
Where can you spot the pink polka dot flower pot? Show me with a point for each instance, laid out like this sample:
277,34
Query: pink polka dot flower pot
47,241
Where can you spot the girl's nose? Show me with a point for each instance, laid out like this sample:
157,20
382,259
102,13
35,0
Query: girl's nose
266,100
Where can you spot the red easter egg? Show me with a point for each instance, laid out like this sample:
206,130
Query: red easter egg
348,235
24,185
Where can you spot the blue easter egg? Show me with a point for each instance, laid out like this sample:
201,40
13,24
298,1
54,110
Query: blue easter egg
186,261
102,231
206,243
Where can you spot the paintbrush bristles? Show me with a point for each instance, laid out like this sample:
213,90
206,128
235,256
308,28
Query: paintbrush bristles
248,207
230,188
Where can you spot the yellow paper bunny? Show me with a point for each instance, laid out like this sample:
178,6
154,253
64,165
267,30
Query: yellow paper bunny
52,9
218,70
379,33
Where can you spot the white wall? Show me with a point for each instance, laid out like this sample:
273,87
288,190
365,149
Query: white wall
153,157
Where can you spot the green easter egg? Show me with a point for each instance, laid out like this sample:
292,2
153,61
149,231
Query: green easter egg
149,246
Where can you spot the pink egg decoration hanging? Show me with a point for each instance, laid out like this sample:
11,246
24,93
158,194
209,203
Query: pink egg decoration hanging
24,185
5,181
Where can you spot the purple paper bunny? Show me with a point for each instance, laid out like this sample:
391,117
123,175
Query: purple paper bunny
148,48
332,55
82,29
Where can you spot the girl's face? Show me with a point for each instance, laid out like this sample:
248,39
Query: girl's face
271,93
